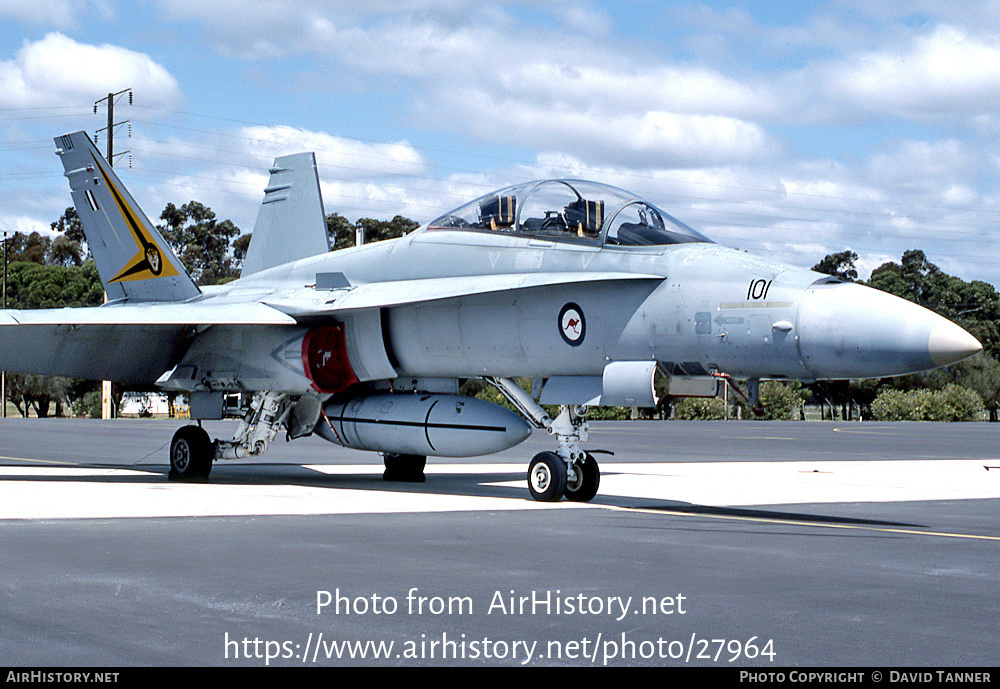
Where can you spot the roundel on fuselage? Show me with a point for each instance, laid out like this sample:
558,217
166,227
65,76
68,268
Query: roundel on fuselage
572,325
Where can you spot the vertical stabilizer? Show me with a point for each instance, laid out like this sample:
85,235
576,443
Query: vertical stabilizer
133,260
291,223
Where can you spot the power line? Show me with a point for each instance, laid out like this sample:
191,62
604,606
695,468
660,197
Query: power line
823,228
783,193
631,174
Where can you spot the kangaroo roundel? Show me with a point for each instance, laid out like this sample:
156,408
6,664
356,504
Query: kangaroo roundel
572,325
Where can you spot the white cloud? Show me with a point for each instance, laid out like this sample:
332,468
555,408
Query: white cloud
23,224
58,71
585,20
337,156
258,29
503,83
929,167
228,172
642,139
678,89
57,13
945,72
711,132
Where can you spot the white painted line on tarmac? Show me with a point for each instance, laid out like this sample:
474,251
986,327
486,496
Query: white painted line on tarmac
739,484
33,492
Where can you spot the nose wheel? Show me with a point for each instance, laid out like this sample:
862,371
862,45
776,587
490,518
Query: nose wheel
547,477
583,486
551,478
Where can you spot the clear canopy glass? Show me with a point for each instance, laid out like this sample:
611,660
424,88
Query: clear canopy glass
571,211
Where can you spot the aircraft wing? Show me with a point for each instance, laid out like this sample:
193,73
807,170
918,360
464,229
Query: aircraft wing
136,343
400,292
151,315
128,343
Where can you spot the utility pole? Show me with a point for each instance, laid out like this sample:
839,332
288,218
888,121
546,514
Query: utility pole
111,99
3,374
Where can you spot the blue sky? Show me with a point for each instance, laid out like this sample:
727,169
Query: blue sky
793,129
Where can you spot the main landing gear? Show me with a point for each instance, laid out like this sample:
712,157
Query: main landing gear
569,472
192,451
404,468
191,455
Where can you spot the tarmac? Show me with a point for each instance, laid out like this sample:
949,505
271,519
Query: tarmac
752,544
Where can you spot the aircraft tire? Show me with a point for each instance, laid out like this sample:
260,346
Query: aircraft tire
547,477
404,468
588,481
191,455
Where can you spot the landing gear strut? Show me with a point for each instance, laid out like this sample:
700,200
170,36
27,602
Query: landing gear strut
265,415
568,472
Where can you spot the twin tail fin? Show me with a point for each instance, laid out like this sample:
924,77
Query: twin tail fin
133,260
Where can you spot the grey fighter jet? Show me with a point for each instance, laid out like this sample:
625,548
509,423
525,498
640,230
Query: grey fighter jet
586,290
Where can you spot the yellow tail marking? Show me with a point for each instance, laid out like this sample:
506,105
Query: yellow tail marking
149,262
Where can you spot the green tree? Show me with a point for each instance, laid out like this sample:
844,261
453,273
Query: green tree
973,305
202,243
952,403
240,247
839,265
71,228
40,393
64,252
342,232
30,248
38,286
699,408
779,400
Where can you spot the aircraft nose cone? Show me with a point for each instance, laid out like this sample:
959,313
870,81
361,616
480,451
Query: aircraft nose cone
949,343
852,331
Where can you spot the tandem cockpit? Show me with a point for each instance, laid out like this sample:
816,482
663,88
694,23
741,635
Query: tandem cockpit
566,210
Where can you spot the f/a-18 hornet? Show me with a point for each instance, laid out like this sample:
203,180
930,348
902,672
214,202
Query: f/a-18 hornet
584,289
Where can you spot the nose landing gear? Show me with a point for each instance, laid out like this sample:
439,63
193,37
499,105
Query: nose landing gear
568,472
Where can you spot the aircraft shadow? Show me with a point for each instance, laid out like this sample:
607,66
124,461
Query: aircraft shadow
456,484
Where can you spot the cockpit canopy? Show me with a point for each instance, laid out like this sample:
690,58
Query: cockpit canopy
572,211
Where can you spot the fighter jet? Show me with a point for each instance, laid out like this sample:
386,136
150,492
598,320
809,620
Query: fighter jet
585,290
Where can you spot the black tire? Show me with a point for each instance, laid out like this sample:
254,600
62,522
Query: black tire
588,481
191,455
404,468
547,477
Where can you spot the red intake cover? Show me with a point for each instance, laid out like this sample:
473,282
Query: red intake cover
324,357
